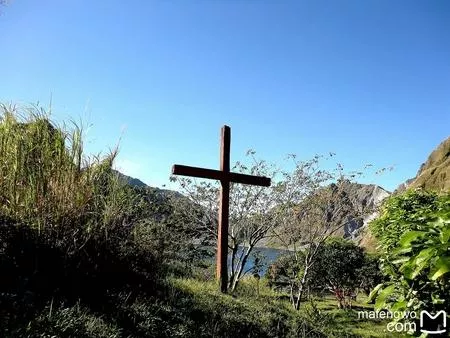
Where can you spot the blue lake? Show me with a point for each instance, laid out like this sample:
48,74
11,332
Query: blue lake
268,256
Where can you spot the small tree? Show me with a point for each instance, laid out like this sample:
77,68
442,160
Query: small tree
337,268
340,267
316,206
302,208
251,217
281,273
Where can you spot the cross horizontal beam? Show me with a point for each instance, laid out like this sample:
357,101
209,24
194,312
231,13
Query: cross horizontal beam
220,175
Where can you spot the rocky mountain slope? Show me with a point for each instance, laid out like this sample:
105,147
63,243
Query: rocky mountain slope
366,198
434,174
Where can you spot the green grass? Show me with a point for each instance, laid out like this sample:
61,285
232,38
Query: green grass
235,315
262,308
348,319
192,308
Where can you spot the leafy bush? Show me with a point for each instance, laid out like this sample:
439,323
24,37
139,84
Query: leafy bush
417,263
370,274
399,214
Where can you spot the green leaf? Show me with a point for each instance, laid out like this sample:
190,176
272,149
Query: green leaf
383,296
399,305
401,251
408,268
414,266
442,266
444,236
424,256
400,260
410,236
374,292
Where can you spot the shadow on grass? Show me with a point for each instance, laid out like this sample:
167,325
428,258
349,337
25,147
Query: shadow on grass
104,290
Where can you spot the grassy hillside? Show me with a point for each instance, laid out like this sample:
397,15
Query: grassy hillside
83,254
434,174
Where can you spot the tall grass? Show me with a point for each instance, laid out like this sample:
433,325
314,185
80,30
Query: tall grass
46,179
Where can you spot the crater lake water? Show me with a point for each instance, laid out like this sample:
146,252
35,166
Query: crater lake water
268,256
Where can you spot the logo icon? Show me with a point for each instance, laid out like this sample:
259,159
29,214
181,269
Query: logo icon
433,324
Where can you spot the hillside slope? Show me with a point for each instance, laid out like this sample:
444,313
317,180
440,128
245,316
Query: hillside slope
354,199
434,174
135,182
363,197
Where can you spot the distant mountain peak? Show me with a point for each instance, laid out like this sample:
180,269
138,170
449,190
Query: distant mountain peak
135,182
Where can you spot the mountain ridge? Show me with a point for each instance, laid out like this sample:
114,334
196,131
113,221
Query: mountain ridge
363,196
135,182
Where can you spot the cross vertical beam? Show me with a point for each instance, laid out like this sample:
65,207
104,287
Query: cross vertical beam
222,241
225,177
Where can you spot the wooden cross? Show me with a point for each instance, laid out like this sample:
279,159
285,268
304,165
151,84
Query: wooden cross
225,177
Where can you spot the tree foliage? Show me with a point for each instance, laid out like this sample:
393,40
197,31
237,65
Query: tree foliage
370,274
337,269
406,212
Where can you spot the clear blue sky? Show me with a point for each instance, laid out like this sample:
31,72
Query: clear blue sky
369,80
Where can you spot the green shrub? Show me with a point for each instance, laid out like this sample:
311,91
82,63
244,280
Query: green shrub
417,263
399,214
